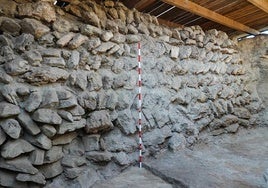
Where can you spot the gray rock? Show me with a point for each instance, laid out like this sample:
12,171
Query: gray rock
37,157
77,41
5,78
72,161
65,39
72,173
9,93
74,60
88,100
28,124
40,76
67,103
90,30
104,47
33,102
121,158
50,98
54,62
51,170
16,67
125,122
53,155
79,79
62,25
71,126
14,148
156,136
185,52
232,128
96,156
11,127
50,52
242,113
8,179
98,121
93,43
63,94
41,141
66,115
133,38
77,111
37,178
118,38
2,136
33,57
47,116
24,42
34,27
106,36
91,142
48,130
64,139
177,142
19,164
265,176
115,141
94,81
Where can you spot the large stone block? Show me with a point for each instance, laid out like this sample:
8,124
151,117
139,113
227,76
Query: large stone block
98,121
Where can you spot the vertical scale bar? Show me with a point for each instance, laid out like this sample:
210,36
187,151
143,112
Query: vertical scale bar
139,104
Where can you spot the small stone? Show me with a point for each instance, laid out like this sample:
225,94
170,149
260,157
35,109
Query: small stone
50,98
33,102
185,52
68,103
133,38
15,148
47,116
93,43
232,128
98,121
51,170
91,142
34,27
66,115
99,156
37,178
62,25
2,136
74,60
104,47
16,67
64,139
7,179
54,62
88,100
7,110
118,38
174,53
90,30
5,78
77,41
37,157
19,164
73,161
72,173
33,57
48,130
24,42
63,94
28,124
68,127
177,142
106,36
91,18
41,141
53,155
122,158
10,26
65,39
11,127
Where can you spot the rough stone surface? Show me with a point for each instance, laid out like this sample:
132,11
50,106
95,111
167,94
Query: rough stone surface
7,110
98,121
28,124
37,178
47,116
51,170
11,127
15,148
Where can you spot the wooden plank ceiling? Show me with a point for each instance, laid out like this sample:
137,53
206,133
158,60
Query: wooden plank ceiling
251,14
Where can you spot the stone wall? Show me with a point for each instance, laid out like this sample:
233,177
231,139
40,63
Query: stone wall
68,81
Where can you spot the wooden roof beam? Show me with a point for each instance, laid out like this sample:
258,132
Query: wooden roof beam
211,15
261,4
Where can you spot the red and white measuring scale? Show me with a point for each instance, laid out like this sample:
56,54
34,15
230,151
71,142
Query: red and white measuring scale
139,104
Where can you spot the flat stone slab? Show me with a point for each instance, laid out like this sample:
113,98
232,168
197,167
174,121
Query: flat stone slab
225,161
134,177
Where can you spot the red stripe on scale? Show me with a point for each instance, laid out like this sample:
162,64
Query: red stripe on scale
139,104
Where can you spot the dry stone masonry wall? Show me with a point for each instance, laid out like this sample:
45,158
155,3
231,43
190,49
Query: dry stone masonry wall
68,103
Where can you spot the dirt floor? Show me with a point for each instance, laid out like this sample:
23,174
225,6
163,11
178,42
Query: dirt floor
229,161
